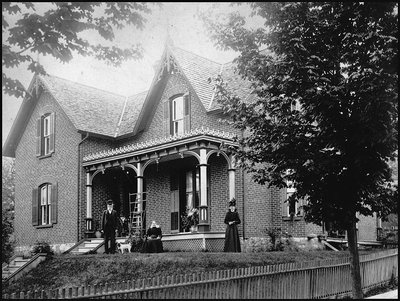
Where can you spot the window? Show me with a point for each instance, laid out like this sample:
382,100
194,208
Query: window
44,205
192,188
293,208
45,134
177,115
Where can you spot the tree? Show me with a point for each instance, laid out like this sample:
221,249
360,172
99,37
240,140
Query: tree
7,209
58,32
325,116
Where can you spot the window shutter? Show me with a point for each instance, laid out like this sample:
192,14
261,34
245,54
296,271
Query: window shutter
174,210
52,131
282,196
38,137
186,111
35,207
54,203
167,118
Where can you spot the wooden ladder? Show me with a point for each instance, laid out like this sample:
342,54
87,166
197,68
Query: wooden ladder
136,215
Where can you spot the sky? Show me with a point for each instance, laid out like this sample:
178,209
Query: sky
186,31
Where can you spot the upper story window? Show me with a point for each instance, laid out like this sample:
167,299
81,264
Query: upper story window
45,130
177,115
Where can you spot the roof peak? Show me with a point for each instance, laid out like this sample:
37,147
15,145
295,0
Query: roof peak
195,54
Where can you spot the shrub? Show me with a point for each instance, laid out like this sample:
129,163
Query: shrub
42,247
7,243
277,238
257,244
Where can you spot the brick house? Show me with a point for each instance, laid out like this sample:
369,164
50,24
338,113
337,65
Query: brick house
76,146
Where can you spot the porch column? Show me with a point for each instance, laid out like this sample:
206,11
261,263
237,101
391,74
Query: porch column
231,174
204,223
140,186
89,219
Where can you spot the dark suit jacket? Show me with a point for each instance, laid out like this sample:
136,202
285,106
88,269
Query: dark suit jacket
109,222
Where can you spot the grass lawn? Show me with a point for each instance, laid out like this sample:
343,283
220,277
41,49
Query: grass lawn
64,271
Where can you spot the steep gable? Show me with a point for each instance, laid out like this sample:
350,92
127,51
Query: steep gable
90,109
198,70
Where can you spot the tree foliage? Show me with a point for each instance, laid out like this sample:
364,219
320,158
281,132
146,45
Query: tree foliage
58,32
326,116
7,209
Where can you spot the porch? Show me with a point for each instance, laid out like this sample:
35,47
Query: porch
161,180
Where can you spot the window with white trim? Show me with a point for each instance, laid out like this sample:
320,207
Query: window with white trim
177,116
293,208
45,204
45,134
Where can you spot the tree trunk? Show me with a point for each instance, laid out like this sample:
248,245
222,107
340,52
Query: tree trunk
354,261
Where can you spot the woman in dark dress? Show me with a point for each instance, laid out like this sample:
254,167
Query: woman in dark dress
232,242
153,243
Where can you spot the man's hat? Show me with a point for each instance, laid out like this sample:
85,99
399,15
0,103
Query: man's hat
232,202
110,202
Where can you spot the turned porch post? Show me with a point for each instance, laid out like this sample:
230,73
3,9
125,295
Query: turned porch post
204,223
140,186
89,218
231,175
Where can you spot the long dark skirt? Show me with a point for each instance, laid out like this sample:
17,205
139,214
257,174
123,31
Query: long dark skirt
232,242
152,246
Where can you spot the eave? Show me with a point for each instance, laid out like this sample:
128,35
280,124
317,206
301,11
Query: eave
160,148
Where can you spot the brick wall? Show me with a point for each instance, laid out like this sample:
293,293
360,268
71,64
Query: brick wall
258,215
31,172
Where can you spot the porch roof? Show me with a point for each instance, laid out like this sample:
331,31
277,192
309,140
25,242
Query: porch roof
158,147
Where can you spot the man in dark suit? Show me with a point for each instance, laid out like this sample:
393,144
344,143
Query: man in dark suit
109,223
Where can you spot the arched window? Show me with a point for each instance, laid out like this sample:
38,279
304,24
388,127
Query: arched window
45,204
177,116
45,134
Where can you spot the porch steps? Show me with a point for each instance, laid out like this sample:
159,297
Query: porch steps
15,264
87,246
19,266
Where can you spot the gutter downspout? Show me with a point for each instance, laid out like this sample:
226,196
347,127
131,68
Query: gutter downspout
79,180
243,196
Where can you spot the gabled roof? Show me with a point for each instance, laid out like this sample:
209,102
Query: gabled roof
90,109
110,115
199,70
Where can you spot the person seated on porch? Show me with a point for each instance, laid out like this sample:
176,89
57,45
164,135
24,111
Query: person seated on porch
153,243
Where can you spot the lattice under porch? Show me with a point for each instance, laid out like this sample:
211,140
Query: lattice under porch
210,241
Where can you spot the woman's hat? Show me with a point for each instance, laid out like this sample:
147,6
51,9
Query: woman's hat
232,202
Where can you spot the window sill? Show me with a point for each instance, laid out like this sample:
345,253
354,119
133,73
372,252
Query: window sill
44,156
288,219
44,226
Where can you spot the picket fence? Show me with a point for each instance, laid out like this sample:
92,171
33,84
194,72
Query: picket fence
305,280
